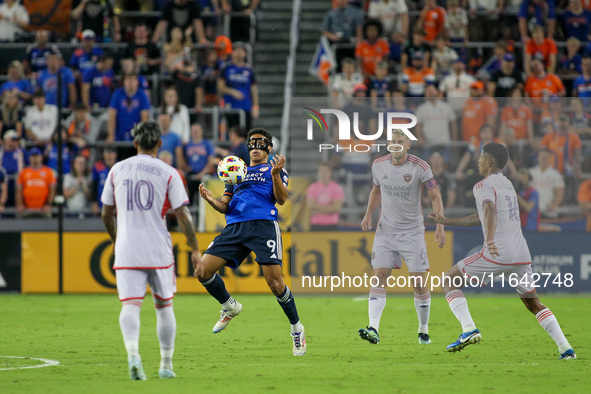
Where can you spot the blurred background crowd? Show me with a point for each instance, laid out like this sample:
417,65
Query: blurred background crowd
472,71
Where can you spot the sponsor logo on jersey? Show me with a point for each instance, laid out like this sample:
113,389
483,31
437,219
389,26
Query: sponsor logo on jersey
264,168
407,177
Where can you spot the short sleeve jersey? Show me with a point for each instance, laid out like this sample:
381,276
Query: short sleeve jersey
401,188
35,184
253,198
508,237
143,189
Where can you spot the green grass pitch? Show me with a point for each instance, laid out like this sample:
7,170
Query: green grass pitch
253,354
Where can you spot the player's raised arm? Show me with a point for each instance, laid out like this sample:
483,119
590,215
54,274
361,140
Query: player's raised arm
219,205
375,198
279,188
108,216
490,225
437,203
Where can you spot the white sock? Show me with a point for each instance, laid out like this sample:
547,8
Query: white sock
377,303
230,304
129,320
549,323
459,306
166,329
298,327
423,307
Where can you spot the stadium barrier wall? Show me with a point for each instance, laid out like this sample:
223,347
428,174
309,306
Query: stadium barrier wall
28,262
554,255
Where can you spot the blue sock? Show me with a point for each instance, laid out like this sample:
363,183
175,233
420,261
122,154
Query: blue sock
216,287
288,304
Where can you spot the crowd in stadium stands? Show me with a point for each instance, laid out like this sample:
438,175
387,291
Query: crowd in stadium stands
474,71
105,92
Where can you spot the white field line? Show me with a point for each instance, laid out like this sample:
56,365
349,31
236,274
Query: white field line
47,363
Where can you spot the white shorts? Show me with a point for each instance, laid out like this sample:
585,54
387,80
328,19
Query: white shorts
131,283
388,249
479,267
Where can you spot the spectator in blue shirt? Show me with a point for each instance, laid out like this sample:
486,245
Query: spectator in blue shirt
529,202
51,152
198,154
540,12
343,23
576,21
238,145
85,57
100,171
171,142
17,82
237,82
13,159
98,83
48,82
37,53
129,106
129,66
582,83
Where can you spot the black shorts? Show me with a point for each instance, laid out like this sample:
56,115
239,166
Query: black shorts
237,240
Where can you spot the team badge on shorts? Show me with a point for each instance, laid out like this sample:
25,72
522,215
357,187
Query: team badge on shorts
373,254
407,177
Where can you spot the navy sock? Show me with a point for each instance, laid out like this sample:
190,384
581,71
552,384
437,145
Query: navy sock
288,304
216,287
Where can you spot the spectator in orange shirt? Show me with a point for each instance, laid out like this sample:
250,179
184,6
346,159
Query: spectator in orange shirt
541,85
478,111
566,148
35,187
584,199
551,114
432,20
538,46
518,116
373,49
415,78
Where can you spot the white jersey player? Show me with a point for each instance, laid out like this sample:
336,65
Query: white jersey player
143,189
398,181
504,251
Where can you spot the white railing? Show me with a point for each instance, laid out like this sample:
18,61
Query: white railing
288,89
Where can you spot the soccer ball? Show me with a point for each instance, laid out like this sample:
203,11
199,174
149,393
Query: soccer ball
232,170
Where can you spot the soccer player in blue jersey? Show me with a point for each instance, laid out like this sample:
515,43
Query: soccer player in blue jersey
251,225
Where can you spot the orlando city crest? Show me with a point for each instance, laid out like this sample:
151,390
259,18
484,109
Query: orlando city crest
407,177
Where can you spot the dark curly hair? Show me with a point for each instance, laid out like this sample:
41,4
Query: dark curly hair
498,153
147,134
373,22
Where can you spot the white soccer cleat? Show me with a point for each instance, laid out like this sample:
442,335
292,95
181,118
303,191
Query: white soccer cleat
166,373
226,316
136,370
299,342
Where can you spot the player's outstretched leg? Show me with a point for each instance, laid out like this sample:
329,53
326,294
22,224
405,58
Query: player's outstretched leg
166,330
129,320
459,306
285,298
549,323
206,272
375,306
422,305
